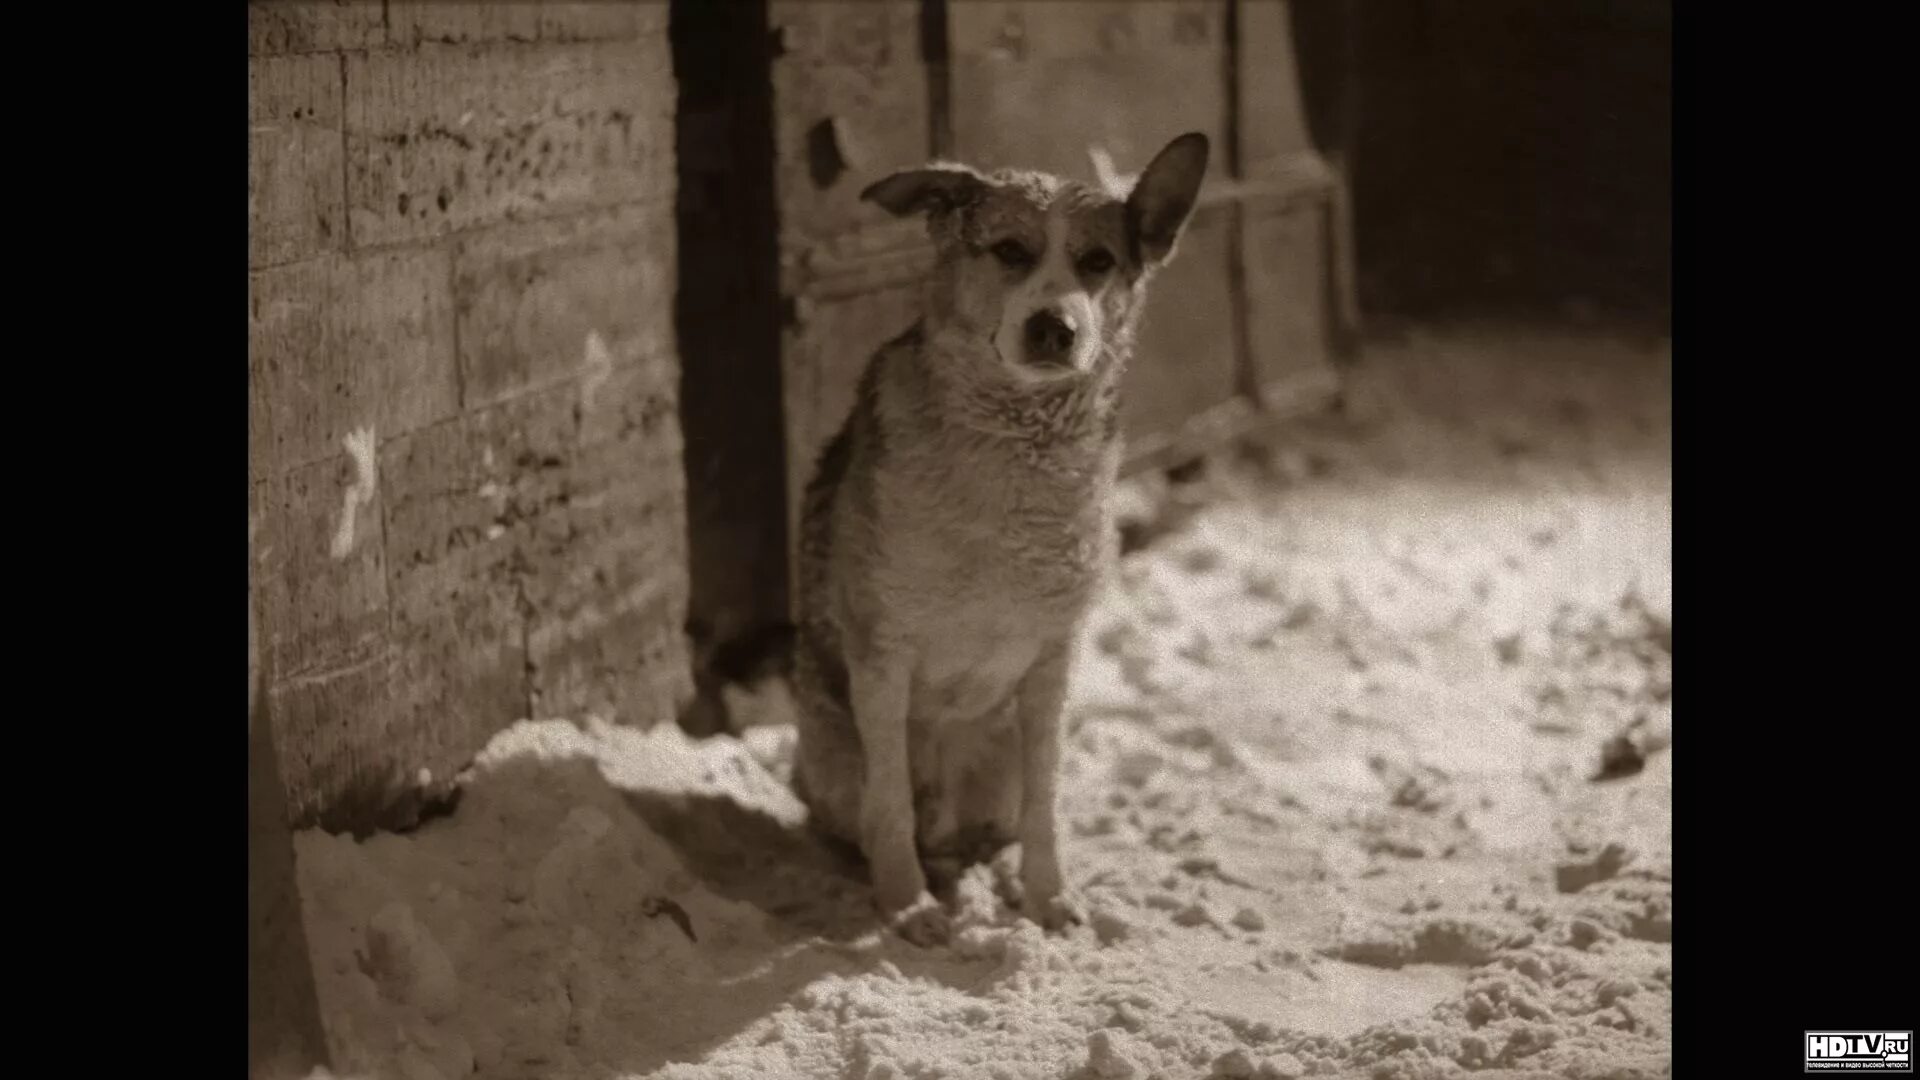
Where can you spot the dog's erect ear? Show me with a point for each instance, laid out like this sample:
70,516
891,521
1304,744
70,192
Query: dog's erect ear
1163,197
935,188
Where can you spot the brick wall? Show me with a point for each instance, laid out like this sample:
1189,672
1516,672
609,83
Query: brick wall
465,483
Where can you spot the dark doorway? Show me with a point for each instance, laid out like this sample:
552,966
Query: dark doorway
727,317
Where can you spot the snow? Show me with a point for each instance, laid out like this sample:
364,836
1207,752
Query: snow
1329,799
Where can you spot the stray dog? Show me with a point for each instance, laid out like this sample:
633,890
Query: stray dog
955,528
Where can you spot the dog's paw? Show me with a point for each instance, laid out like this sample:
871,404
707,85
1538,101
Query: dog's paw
1047,902
1045,898
1057,912
924,922
1005,869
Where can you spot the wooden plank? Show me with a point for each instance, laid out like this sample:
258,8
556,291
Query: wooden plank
879,255
1276,134
1039,85
846,33
1184,359
1286,263
1308,391
1035,85
851,100
850,105
1273,120
1024,30
1300,176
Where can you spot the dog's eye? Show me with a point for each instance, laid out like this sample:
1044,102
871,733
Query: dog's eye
1096,262
1012,253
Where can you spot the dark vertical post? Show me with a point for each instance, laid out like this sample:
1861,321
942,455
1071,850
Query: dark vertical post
728,320
1327,48
933,53
1227,164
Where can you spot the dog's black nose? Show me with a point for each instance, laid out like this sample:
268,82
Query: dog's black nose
1048,335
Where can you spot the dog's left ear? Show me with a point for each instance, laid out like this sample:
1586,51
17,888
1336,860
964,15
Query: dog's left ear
1164,197
929,190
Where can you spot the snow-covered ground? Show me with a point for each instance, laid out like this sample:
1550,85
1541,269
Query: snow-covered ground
1331,800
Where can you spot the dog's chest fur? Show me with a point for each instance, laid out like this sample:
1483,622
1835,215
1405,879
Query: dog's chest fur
967,524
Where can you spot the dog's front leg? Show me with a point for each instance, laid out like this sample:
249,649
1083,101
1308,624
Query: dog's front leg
1042,693
881,685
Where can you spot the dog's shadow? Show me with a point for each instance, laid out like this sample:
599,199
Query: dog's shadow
814,891
820,917
809,886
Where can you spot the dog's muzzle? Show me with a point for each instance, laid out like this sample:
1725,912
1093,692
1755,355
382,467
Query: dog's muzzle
1049,339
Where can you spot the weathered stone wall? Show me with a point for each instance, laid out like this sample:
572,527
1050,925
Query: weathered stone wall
465,483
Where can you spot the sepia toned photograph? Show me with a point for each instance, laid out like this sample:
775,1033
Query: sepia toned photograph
961,540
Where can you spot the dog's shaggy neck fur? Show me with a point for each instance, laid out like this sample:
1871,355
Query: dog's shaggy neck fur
1041,421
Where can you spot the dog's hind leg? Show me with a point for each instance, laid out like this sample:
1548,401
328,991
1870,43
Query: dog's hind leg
826,778
827,765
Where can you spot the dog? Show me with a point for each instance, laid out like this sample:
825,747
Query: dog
955,528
